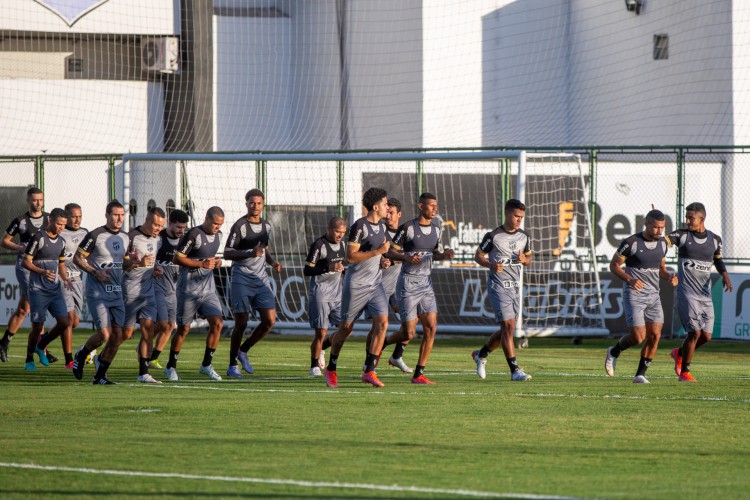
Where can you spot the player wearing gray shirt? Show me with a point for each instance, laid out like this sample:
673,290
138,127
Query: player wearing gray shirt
698,250
644,256
73,234
324,265
504,251
419,240
138,286
45,260
24,226
363,288
247,248
196,290
100,255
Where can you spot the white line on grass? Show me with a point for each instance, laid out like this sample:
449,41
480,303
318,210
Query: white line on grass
287,482
383,392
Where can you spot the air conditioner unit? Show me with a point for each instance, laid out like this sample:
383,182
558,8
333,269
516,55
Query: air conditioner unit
160,54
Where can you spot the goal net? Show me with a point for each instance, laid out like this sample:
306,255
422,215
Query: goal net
303,191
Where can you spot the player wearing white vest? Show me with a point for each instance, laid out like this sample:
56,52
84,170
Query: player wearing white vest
644,256
420,241
504,252
698,248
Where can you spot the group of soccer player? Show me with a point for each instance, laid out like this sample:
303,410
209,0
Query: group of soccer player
161,275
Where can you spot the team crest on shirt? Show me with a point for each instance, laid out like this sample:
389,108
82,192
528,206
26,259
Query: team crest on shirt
513,245
243,231
376,229
150,247
116,246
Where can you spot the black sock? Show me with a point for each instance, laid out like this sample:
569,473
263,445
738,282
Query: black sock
68,357
29,356
102,371
616,350
81,355
154,355
7,337
326,343
679,351
245,345
313,362
208,356
370,360
142,366
512,364
685,367
173,357
418,371
484,351
643,366
332,360
398,351
42,342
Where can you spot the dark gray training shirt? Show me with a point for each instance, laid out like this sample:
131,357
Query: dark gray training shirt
105,249
696,254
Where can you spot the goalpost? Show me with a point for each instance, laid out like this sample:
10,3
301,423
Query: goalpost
561,289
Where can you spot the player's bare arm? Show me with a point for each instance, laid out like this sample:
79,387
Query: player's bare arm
615,266
481,259
8,243
666,275
80,258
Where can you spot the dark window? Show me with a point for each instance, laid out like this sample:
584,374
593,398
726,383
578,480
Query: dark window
661,46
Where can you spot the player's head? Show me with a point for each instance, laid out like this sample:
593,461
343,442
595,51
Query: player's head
336,229
514,213
74,216
255,201
428,205
214,220
57,220
655,221
393,213
35,199
155,218
695,216
178,221
376,200
115,214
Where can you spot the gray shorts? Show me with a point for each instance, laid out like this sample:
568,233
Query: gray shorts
41,302
23,276
641,308
248,297
505,302
74,298
104,314
415,296
140,307
324,314
360,297
696,313
166,306
190,307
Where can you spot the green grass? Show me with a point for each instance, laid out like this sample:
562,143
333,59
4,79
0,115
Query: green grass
571,431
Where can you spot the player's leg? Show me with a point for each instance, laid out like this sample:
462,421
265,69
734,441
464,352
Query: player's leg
635,320
14,323
36,330
240,324
215,324
379,329
58,309
147,337
267,317
429,328
116,338
316,349
67,339
648,352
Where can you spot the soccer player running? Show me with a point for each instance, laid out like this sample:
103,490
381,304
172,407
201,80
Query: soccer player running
25,226
100,255
196,291
45,260
165,283
697,248
138,286
504,251
73,235
363,287
324,266
247,248
420,240
644,256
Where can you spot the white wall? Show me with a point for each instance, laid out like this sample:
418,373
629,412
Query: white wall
80,117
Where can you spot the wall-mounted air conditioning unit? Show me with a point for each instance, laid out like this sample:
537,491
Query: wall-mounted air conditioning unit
160,54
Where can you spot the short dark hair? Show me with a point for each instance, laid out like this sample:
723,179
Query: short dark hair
156,211
58,213
114,204
514,204
179,217
696,207
393,202
72,206
253,193
336,222
33,190
655,215
426,196
372,196
214,212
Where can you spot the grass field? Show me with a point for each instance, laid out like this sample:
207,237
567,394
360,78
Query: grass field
569,432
